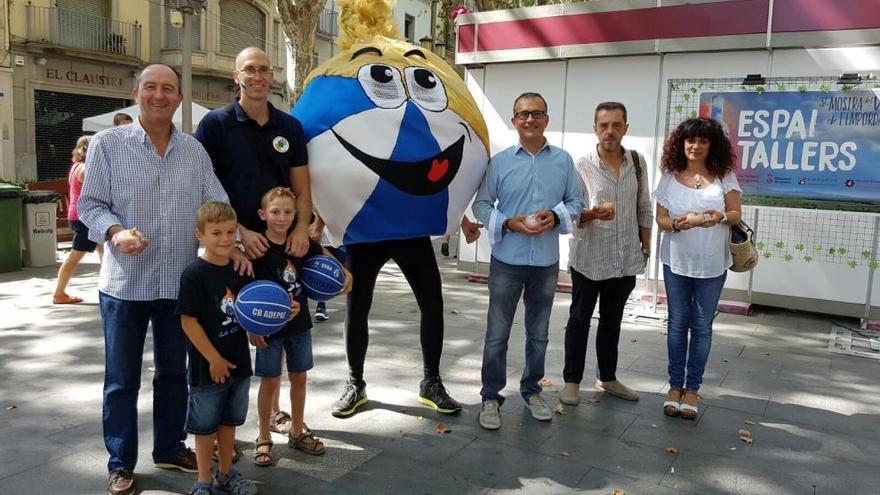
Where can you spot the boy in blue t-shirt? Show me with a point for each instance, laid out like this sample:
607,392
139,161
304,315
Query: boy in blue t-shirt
219,358
295,339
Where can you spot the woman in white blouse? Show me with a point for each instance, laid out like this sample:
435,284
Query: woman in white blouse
698,197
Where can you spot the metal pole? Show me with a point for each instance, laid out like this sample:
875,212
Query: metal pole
752,271
871,271
186,70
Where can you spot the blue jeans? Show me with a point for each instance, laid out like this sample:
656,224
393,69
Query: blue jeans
211,406
691,305
297,348
125,329
537,285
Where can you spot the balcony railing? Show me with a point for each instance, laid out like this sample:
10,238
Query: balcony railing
62,27
327,23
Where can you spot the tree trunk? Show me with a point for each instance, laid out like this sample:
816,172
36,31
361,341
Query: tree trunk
299,19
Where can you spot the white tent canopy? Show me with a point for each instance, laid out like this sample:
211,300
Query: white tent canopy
105,120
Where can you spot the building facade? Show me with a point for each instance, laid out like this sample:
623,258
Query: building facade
72,59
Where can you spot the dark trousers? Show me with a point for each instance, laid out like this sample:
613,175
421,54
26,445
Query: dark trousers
612,295
415,257
125,330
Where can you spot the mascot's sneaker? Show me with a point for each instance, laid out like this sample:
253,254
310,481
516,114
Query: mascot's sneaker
353,397
432,393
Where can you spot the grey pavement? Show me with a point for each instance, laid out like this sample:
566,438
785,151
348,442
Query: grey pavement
814,416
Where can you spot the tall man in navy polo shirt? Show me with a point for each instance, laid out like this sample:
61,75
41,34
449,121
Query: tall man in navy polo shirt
255,147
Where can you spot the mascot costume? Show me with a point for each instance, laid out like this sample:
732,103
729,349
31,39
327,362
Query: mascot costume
397,148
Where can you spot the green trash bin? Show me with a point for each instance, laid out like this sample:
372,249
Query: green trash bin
10,227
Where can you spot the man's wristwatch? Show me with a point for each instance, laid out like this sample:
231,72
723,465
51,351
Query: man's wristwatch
675,227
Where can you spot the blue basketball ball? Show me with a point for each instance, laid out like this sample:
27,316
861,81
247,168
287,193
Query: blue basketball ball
322,277
262,307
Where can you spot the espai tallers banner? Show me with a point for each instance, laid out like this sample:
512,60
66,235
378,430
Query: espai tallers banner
813,145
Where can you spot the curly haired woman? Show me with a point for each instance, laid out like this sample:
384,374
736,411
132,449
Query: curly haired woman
698,198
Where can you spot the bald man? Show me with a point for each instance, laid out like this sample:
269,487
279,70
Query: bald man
255,147
145,214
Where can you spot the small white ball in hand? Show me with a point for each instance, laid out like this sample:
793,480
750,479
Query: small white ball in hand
531,222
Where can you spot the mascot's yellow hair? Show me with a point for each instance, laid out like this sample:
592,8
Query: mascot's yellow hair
362,20
370,23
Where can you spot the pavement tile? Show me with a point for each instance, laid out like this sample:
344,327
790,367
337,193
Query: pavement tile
602,482
663,432
395,474
491,464
645,462
703,473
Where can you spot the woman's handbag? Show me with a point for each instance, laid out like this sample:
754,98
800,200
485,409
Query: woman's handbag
742,247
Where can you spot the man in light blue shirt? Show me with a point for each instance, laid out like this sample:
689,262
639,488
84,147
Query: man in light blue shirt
529,196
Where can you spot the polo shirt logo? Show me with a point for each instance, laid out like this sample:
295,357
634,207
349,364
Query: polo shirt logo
280,144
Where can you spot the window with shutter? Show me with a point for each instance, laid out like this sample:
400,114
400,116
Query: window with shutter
100,8
280,45
241,25
174,36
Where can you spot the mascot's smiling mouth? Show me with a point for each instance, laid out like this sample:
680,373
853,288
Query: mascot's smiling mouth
421,178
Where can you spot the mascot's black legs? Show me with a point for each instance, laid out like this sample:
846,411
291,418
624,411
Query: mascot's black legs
415,257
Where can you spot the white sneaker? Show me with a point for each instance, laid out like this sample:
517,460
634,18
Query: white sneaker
569,394
490,416
540,409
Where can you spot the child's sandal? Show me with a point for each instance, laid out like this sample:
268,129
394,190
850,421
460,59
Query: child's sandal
307,443
672,405
216,455
263,459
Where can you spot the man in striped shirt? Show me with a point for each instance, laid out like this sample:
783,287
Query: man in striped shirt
144,184
610,246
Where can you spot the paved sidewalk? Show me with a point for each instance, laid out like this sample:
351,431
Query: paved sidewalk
814,416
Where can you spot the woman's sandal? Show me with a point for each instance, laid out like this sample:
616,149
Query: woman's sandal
689,404
263,459
307,442
280,422
66,299
672,406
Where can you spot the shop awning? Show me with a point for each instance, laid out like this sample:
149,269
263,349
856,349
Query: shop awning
105,120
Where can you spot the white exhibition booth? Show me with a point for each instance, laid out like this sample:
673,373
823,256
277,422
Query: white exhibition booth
578,55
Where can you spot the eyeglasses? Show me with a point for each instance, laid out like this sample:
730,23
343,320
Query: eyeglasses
534,114
252,71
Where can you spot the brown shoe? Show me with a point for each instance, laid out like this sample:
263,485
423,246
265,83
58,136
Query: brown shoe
617,389
185,462
689,402
120,482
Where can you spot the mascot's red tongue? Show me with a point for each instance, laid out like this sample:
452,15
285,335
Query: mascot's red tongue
438,170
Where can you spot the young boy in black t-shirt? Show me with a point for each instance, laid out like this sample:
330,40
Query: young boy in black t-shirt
219,358
294,340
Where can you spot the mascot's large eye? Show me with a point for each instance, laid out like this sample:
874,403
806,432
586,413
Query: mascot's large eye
426,89
382,85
